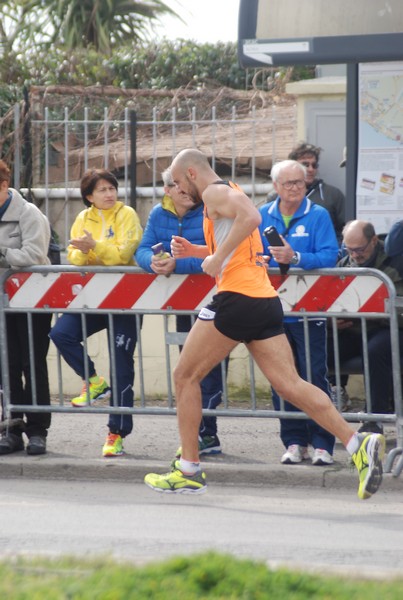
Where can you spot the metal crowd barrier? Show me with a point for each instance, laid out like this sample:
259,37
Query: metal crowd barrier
364,294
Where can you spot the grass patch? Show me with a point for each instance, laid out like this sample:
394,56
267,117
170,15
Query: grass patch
209,575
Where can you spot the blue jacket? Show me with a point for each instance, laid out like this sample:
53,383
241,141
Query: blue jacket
163,222
311,234
394,240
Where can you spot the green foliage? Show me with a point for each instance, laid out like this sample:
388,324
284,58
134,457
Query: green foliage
206,576
76,23
148,66
155,65
101,25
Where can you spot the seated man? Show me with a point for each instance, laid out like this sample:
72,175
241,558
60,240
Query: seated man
364,249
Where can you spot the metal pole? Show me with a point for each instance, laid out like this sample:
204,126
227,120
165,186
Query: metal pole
17,148
133,158
351,141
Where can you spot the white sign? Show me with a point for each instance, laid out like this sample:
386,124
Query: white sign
380,141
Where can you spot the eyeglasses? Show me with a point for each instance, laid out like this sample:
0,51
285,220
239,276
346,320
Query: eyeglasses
308,164
359,250
288,185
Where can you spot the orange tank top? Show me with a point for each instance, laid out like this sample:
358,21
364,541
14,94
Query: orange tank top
241,272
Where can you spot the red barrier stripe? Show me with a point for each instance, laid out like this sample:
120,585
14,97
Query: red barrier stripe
376,303
127,291
277,280
11,286
64,290
323,293
190,293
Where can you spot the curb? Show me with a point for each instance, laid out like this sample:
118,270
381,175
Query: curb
133,470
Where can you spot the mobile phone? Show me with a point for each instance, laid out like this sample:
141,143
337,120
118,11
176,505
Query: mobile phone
273,239
158,250
272,236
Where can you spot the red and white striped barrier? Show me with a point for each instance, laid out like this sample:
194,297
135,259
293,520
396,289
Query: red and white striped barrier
297,291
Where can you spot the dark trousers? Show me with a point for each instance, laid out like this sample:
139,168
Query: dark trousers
211,385
304,432
37,423
380,362
67,335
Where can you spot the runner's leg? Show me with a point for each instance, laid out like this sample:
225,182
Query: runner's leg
274,358
204,348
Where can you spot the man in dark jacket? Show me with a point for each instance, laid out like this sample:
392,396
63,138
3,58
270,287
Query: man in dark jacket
364,249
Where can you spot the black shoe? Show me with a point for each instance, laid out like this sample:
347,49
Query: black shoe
371,427
11,442
36,445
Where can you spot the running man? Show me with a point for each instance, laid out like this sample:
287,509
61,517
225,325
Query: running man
245,309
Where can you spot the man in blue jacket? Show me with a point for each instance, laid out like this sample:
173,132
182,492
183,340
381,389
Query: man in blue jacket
177,215
309,243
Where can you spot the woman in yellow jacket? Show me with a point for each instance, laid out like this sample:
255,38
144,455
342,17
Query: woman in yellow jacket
106,233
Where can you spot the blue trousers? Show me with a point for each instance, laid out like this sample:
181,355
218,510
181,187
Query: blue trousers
211,385
304,432
67,335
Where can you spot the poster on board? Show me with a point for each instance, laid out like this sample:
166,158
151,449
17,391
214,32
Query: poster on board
379,191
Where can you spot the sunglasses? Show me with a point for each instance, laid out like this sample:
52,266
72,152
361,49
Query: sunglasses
308,164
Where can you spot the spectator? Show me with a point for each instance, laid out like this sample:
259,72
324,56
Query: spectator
394,240
177,215
24,242
309,243
364,249
317,190
106,233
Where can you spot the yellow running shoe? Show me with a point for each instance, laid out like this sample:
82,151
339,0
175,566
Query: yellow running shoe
113,445
97,392
368,460
176,482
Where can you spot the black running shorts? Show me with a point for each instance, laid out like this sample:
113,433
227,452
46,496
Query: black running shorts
243,318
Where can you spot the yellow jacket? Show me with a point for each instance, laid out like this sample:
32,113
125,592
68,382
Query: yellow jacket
117,232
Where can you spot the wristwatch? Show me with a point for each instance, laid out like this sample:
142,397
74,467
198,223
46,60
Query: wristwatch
295,259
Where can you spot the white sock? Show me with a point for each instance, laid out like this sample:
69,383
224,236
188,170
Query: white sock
187,467
353,444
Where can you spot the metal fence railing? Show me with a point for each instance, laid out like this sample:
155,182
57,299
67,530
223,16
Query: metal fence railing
364,294
138,150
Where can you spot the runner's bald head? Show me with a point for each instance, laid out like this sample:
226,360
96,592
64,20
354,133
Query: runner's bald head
189,158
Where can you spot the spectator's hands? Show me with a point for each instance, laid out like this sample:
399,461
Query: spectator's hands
163,266
343,324
85,243
282,254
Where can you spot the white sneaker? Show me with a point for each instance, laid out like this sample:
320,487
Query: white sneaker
345,402
295,454
321,457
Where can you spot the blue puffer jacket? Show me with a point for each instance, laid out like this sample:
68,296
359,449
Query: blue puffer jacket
163,222
310,233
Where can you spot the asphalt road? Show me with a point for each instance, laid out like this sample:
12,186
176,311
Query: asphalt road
313,529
